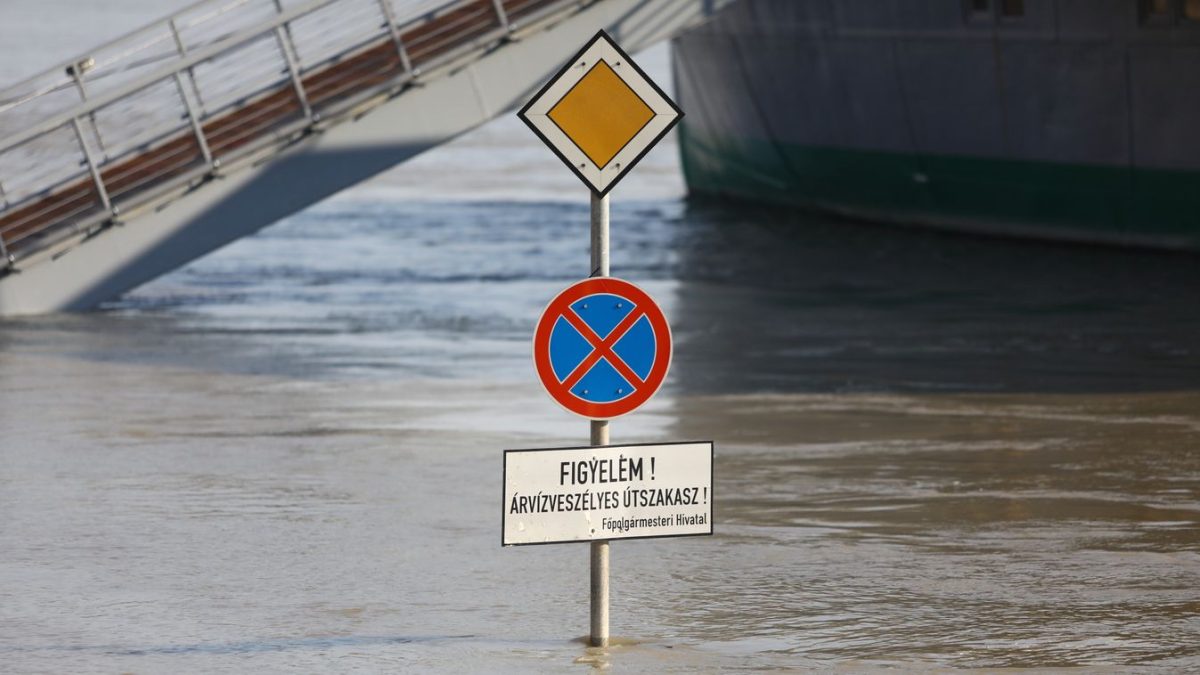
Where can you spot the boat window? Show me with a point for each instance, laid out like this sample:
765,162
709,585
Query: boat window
1156,11
979,9
1012,9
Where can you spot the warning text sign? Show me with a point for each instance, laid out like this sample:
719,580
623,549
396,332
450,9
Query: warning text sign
611,492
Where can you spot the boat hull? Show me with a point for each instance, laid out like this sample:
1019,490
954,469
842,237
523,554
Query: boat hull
781,109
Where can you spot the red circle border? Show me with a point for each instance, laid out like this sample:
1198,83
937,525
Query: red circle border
561,304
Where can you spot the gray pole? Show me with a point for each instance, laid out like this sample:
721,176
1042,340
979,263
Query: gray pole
599,436
599,563
599,236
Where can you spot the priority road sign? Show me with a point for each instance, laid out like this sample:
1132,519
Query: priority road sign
602,348
601,114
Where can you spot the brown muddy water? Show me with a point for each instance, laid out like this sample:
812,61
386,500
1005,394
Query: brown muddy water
933,453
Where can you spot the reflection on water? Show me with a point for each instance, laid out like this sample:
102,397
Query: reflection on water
842,307
974,452
933,451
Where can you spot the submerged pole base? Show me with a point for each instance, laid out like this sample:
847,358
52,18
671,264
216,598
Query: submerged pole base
599,634
599,637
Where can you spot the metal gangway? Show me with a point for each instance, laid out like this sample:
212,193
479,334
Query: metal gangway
149,151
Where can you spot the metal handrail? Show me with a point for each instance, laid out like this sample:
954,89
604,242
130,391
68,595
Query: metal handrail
193,58
11,94
60,67
27,203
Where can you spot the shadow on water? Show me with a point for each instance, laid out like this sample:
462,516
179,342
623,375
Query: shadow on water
766,300
777,300
940,449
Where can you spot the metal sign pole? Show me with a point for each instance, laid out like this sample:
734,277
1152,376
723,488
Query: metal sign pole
599,236
599,436
636,115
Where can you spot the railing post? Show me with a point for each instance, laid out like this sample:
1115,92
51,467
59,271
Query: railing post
293,70
284,35
390,17
501,14
5,259
3,248
197,128
91,162
182,48
76,70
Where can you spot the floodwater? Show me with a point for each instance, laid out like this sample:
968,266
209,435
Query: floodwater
933,452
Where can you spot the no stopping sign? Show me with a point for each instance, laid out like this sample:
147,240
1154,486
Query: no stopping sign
602,348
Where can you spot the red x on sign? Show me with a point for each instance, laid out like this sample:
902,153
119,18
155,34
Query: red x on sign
602,348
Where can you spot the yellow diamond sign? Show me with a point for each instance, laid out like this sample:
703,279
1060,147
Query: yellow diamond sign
601,113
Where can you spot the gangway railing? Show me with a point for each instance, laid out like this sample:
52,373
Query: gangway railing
165,108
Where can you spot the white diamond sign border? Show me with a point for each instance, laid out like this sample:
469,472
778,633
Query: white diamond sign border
536,113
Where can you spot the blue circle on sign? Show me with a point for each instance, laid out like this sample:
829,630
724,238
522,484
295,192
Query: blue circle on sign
615,346
602,348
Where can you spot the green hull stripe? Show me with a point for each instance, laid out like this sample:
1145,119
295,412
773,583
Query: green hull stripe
1032,198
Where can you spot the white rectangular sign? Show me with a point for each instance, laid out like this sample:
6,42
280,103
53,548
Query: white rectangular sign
561,495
